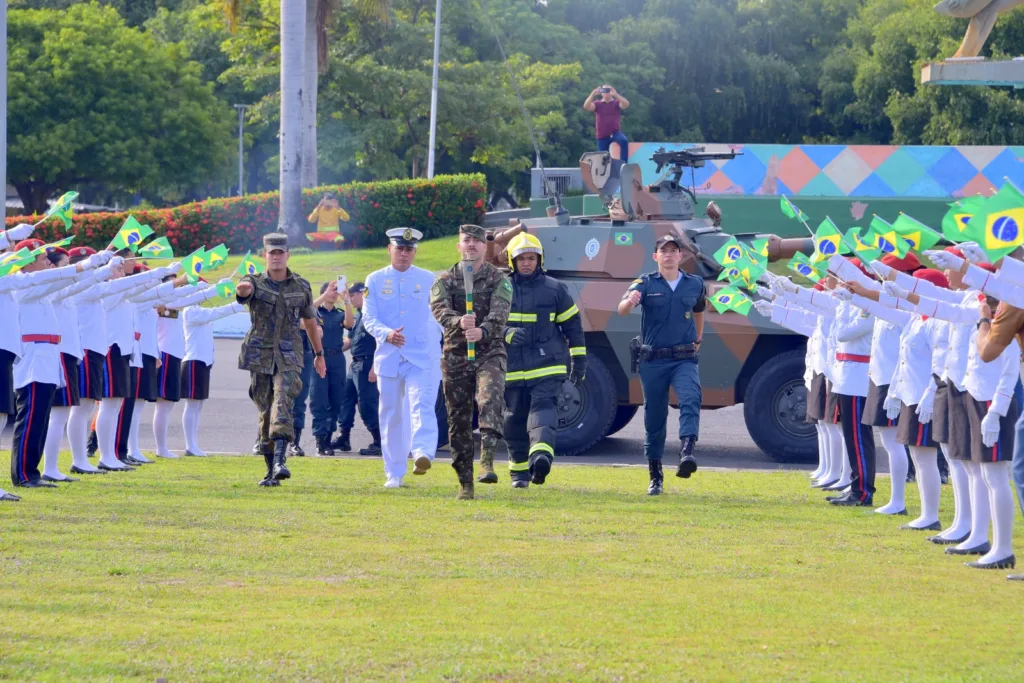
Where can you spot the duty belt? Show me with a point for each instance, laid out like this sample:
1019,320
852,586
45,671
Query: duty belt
355,358
853,358
333,352
40,338
680,352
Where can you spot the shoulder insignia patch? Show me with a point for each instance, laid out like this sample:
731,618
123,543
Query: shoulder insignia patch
638,281
506,285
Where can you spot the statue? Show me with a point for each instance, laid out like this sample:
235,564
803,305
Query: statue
982,14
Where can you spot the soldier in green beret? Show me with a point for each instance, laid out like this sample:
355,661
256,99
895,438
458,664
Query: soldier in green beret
279,301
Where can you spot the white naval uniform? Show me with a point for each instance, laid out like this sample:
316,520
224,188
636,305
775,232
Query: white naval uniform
408,377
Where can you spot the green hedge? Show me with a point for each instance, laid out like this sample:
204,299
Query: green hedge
436,207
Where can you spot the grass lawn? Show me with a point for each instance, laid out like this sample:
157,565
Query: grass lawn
321,266
186,570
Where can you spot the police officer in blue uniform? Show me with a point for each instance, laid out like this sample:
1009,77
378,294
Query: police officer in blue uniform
672,324
360,389
328,392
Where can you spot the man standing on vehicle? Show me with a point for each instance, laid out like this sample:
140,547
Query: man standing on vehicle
608,105
671,328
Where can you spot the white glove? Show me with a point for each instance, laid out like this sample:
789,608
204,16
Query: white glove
926,404
892,407
764,308
764,291
98,259
893,289
944,259
842,293
103,273
883,270
785,285
116,261
19,232
174,268
990,429
973,253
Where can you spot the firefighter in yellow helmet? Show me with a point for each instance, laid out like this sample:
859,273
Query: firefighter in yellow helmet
544,337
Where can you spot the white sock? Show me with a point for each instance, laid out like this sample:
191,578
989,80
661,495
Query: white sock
106,432
928,484
980,508
161,420
51,447
190,421
822,452
1000,498
133,432
78,435
961,525
835,453
897,471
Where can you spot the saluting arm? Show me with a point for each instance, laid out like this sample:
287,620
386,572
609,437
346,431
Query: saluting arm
200,316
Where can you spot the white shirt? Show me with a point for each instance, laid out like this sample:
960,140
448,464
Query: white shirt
92,316
198,324
961,319
914,372
396,299
993,381
885,351
940,350
10,285
170,332
852,333
67,317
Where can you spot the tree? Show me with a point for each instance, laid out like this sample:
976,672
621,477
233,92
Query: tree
92,100
293,32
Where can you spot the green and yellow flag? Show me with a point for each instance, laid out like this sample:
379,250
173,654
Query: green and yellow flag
194,264
159,248
731,299
828,241
865,248
130,235
954,223
887,240
801,265
62,209
742,272
918,235
789,210
46,247
225,289
14,261
215,257
998,226
730,252
249,266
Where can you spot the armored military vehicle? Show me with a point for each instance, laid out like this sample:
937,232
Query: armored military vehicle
746,360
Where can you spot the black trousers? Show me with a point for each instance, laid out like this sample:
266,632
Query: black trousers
124,418
860,445
361,392
31,420
531,419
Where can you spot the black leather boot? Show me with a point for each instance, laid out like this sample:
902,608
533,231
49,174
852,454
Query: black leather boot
654,467
373,448
294,448
268,458
280,472
687,463
540,468
342,443
323,446
92,445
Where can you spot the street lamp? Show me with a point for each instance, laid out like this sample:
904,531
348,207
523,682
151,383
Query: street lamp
241,150
433,91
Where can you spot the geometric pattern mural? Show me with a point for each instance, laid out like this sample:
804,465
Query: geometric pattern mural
846,170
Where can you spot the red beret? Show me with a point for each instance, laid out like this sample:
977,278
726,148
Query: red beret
818,286
955,251
30,244
936,277
57,250
141,268
990,267
907,264
81,251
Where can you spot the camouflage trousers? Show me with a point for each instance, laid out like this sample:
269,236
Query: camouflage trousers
274,396
484,380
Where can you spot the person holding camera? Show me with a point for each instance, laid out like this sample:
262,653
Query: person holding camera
608,105
328,215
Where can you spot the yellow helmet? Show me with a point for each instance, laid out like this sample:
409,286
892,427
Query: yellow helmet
524,243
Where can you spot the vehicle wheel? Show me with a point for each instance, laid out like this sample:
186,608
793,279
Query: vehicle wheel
775,407
585,415
623,416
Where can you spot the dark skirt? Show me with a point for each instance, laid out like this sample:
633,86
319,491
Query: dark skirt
68,395
940,412
116,374
195,380
90,376
874,407
958,424
7,406
831,406
169,378
144,380
1002,450
816,398
910,431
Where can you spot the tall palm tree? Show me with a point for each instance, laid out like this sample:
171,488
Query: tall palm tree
293,34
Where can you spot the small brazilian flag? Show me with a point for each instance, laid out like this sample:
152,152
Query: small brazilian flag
954,223
194,264
215,257
789,210
887,240
158,249
623,239
13,262
998,226
47,247
130,235
731,299
760,247
801,265
248,266
730,252
828,241
918,235
225,289
742,272
865,248
62,208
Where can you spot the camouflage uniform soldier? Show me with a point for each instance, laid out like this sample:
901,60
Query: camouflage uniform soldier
278,301
484,376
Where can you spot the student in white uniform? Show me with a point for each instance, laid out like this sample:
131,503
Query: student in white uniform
196,365
396,312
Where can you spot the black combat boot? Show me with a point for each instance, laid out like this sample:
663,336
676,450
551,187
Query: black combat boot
268,458
373,448
92,445
654,467
257,447
687,463
342,443
279,470
323,445
540,468
294,449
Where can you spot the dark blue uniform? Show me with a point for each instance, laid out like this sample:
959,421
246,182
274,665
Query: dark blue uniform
328,391
666,322
359,389
299,409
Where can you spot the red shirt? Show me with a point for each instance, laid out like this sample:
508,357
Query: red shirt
607,117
